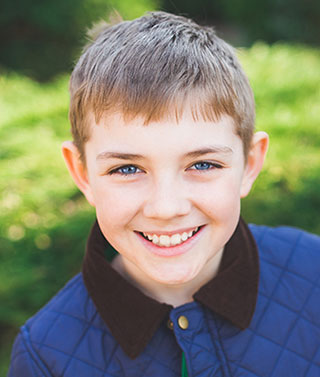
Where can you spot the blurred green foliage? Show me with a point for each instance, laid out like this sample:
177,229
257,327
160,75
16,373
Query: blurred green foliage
268,20
274,20
286,83
44,221
41,38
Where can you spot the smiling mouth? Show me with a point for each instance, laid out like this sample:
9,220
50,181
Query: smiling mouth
172,240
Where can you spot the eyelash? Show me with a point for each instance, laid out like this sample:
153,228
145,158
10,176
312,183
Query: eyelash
211,166
118,170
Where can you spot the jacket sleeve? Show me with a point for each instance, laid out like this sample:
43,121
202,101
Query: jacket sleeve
25,361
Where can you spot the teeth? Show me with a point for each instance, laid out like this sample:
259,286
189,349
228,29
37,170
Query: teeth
155,239
184,236
166,241
175,239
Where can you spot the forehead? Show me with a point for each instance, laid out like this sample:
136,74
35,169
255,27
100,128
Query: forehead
170,136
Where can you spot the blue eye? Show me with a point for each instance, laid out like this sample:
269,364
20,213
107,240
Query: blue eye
126,170
202,165
205,165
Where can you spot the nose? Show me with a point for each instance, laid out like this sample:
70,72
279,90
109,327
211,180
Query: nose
167,200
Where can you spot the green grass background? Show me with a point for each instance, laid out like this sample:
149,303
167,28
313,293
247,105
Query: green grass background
44,220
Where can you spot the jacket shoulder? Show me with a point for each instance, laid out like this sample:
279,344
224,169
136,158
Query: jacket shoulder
63,331
290,248
72,301
290,269
288,307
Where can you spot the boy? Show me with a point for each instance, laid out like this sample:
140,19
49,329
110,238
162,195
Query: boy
164,148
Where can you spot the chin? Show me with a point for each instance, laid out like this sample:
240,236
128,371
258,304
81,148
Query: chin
174,279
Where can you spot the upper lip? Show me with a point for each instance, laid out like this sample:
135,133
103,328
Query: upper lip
171,232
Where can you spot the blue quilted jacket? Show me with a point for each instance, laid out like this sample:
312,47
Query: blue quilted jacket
67,338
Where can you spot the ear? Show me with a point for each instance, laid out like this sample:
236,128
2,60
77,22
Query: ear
77,169
255,161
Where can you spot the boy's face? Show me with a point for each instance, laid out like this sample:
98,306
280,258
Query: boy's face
167,181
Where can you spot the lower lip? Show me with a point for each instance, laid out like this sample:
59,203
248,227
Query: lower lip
171,251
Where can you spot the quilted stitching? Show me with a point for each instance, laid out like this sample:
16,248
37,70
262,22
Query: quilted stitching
70,339
291,307
196,342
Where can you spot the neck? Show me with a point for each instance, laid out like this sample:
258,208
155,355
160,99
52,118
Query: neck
172,294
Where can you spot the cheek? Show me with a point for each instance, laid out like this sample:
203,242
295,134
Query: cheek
114,204
220,198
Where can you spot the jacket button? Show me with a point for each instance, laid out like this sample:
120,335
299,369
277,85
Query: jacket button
183,322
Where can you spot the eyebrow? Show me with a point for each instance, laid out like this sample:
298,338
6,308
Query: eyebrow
119,155
192,154
207,150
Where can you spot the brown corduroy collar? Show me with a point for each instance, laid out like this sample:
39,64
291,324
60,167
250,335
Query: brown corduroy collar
232,293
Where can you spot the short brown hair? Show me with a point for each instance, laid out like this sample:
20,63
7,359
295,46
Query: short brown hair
154,65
